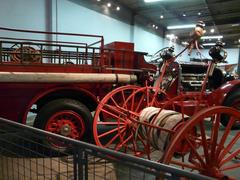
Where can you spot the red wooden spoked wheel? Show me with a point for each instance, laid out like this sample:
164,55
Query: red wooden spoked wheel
122,108
212,149
111,126
66,123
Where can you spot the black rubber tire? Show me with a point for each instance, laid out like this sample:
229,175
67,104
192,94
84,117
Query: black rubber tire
59,105
229,101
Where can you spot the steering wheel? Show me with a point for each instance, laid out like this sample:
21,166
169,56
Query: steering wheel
156,58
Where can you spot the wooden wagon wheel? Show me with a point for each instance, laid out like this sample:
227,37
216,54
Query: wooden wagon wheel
110,119
122,108
26,54
212,152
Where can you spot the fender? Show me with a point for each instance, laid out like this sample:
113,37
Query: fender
55,89
218,96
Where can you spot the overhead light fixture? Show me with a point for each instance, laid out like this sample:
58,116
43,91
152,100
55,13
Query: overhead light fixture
235,25
118,8
210,44
98,0
148,1
199,13
161,17
212,37
109,4
239,40
182,26
171,36
184,15
212,30
156,27
185,43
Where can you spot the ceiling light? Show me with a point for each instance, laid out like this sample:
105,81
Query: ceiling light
109,4
182,26
153,25
234,25
171,36
148,1
156,27
118,8
184,15
199,13
212,30
239,40
161,17
210,44
185,43
212,37
98,0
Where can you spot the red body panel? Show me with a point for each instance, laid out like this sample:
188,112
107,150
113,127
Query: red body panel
217,96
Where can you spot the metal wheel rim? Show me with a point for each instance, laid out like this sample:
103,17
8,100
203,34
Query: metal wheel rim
67,123
214,154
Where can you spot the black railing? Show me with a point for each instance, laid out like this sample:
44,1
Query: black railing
24,155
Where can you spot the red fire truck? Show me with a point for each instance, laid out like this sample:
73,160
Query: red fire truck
60,80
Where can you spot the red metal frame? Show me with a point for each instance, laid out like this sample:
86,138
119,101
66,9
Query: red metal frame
136,128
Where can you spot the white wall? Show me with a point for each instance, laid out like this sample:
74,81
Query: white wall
75,18
22,14
232,58
146,41
68,16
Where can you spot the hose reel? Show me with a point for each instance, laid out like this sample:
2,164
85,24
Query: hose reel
166,119
26,54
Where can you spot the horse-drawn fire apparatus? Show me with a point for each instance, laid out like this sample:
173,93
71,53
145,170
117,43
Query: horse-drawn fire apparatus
63,82
164,123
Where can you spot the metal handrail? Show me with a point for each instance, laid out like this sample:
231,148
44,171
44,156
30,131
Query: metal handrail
98,151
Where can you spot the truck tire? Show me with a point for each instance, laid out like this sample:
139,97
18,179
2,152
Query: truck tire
65,117
233,100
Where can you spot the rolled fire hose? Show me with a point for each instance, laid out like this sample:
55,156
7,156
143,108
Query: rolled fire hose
166,119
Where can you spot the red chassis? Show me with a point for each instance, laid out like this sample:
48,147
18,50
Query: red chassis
62,81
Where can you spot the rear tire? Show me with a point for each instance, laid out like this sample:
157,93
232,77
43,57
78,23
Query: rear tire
233,100
65,117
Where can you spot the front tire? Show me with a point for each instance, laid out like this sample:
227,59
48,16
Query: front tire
65,117
233,100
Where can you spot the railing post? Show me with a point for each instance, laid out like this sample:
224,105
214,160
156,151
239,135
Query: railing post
0,51
80,164
75,164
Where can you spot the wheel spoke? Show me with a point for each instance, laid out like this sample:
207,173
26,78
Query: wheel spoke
229,146
124,142
214,135
224,137
193,148
114,115
186,165
123,97
234,166
229,158
109,132
114,102
140,103
109,123
114,138
204,142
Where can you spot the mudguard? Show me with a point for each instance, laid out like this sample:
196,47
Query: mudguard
218,96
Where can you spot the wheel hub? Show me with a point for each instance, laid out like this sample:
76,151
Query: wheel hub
65,130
